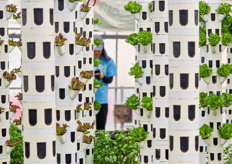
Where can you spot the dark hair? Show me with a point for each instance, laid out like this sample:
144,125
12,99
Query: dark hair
104,53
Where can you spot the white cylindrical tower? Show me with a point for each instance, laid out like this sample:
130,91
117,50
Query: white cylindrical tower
4,90
38,68
64,18
184,58
88,65
160,80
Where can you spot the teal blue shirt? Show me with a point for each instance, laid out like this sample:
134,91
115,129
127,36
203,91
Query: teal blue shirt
108,68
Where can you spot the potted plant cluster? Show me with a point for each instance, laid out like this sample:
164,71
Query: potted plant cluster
13,44
81,42
133,103
205,72
59,42
213,39
205,133
147,104
225,131
10,10
141,41
75,87
60,132
223,10
97,84
82,129
1,111
79,110
86,75
18,17
87,140
97,42
204,9
137,72
97,62
13,109
224,71
84,10
134,8
97,107
8,78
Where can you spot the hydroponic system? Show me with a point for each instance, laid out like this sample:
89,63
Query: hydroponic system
183,84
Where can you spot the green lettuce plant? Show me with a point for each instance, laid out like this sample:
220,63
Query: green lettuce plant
97,62
147,103
224,70
228,154
205,131
145,37
97,42
97,105
215,101
204,8
225,131
138,133
226,38
150,6
227,99
136,71
214,39
97,84
133,7
16,155
205,71
133,102
97,21
133,39
203,99
224,8
202,36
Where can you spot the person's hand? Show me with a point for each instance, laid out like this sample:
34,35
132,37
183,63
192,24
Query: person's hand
101,75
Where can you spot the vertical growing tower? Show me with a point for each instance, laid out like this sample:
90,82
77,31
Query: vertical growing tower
38,69
183,81
160,80
65,70
4,90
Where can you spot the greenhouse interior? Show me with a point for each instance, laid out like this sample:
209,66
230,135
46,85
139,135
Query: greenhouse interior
116,82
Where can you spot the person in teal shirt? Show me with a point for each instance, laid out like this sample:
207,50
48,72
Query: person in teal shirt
107,71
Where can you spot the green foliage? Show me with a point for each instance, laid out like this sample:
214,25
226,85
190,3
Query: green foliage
11,8
150,6
227,24
97,42
205,131
97,62
228,154
226,38
133,102
16,155
203,8
136,71
61,130
224,70
205,71
147,103
145,37
97,21
139,134
203,99
133,39
97,84
214,39
97,105
202,36
224,8
215,101
227,99
133,7
225,131
118,147
59,40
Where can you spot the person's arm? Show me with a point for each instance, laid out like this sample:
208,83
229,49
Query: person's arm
107,80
